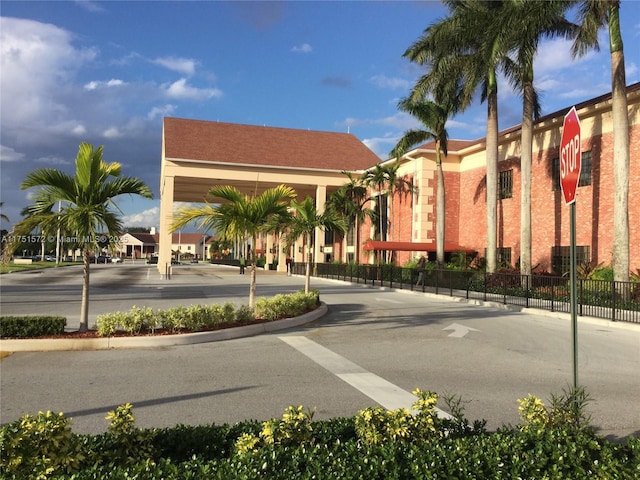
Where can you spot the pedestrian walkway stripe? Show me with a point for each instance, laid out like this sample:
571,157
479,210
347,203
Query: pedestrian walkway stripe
385,393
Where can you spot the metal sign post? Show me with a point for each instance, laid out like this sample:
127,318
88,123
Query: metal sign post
570,166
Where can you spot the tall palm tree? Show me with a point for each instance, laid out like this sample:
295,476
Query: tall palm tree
395,184
594,15
376,179
304,221
238,217
88,200
529,23
460,50
349,201
384,177
434,118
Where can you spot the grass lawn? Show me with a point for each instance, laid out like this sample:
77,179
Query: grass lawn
12,267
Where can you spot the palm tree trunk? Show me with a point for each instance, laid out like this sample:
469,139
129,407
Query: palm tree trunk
440,211
492,180
621,158
84,307
252,282
525,171
307,274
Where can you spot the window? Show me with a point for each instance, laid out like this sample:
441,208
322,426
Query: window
328,237
585,171
561,257
505,184
503,255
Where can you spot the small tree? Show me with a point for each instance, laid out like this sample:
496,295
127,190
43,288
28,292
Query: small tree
87,198
303,221
237,217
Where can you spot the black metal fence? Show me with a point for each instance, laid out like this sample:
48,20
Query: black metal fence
616,301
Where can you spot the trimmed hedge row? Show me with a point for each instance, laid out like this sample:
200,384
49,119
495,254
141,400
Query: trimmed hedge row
550,443
31,326
140,320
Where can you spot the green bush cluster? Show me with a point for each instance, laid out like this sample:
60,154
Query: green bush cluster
193,318
554,442
31,326
286,305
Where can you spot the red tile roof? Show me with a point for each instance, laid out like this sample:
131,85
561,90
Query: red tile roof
255,145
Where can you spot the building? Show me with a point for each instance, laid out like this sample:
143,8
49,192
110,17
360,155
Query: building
197,155
465,188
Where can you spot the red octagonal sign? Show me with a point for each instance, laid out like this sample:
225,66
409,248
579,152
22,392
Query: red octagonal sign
570,156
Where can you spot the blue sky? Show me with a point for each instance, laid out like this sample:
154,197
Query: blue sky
107,72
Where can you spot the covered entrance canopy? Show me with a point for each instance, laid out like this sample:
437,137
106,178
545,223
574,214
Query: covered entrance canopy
197,155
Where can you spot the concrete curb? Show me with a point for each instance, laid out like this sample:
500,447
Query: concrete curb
49,344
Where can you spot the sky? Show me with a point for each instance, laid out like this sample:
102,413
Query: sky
108,72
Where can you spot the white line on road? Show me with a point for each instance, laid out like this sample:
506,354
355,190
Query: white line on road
387,300
385,393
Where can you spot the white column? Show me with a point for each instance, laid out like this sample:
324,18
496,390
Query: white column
166,216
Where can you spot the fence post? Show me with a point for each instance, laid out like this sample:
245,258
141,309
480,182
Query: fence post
504,289
528,283
613,300
485,286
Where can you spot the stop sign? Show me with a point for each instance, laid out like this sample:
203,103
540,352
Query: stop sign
570,156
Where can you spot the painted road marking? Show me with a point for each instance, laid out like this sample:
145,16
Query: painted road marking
385,393
459,331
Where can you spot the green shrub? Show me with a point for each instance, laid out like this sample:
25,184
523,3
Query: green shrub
108,323
39,447
31,326
244,314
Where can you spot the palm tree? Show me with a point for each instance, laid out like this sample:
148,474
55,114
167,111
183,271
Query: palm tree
395,183
461,51
376,178
434,118
240,216
524,24
304,221
385,177
594,15
87,198
349,201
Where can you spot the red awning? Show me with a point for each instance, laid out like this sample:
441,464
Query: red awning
412,246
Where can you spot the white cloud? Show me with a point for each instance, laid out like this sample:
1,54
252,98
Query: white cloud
94,85
304,48
185,66
163,111
146,218
90,6
79,130
38,63
382,81
381,146
53,160
180,89
111,132
8,154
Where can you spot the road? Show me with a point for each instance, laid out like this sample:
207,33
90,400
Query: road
373,347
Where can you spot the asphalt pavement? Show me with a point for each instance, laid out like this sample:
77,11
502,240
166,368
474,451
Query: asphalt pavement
373,347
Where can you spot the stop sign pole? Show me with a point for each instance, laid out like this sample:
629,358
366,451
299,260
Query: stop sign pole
570,166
